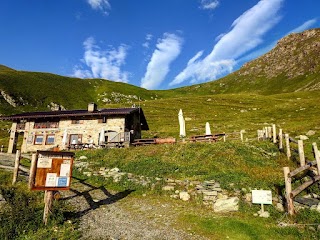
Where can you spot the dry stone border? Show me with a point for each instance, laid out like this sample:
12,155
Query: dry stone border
209,192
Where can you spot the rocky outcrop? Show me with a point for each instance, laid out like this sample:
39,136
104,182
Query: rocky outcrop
294,55
8,98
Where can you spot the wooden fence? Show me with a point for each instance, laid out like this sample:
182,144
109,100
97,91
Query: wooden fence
298,173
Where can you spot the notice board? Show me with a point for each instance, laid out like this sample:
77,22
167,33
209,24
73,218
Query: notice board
53,171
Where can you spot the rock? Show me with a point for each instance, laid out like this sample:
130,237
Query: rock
226,205
222,196
310,133
83,158
264,214
114,170
248,197
279,207
88,174
303,137
184,196
174,196
209,193
168,188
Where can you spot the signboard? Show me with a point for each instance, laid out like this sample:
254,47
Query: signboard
262,196
53,171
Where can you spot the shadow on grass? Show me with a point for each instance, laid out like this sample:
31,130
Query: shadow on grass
94,204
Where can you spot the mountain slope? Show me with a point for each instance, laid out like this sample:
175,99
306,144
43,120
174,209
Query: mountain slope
20,90
293,65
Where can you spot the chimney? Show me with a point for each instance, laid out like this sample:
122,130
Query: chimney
92,107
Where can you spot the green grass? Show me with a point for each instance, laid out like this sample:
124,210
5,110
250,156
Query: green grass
239,163
21,216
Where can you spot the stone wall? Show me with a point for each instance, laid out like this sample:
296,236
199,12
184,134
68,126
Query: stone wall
89,129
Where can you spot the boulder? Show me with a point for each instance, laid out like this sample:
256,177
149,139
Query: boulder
184,196
168,188
226,205
310,133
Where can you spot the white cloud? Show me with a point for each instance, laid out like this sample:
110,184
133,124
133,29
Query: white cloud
103,64
306,25
102,5
209,4
147,42
168,49
246,33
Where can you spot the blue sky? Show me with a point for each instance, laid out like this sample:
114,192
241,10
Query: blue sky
155,44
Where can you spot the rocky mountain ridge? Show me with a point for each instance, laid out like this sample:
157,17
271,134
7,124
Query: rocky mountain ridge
294,55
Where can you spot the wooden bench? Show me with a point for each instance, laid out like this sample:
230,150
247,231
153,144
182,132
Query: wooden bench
203,138
142,142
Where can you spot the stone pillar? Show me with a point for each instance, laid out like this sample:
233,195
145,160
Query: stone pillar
13,138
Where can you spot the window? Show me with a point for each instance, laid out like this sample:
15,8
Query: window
75,138
38,140
50,140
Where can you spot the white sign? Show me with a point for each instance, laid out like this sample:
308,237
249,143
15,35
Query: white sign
262,196
44,162
65,170
51,180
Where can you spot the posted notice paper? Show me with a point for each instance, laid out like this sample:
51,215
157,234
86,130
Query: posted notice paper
51,180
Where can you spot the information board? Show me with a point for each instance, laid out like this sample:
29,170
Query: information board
53,170
262,196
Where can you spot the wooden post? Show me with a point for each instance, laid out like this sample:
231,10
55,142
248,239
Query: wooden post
241,135
32,170
301,153
274,133
224,137
317,156
258,134
266,131
1,148
280,139
287,145
48,199
270,132
287,181
16,167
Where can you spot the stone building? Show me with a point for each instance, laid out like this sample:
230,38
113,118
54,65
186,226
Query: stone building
67,129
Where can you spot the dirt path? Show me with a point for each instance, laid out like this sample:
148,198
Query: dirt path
110,215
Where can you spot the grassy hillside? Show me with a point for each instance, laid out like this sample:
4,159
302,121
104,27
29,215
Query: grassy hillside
39,91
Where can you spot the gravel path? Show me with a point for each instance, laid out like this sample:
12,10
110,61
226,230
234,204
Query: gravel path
105,215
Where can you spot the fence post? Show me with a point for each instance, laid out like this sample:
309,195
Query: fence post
241,135
266,131
301,153
32,170
280,139
16,167
316,155
1,150
287,145
287,181
274,133
224,137
270,132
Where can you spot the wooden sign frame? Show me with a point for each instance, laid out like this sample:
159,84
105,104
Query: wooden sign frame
52,171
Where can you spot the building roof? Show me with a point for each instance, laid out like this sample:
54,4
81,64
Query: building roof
78,113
